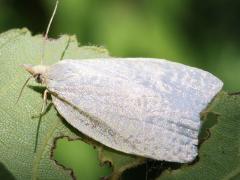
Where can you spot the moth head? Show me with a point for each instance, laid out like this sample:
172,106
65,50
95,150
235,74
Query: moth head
38,72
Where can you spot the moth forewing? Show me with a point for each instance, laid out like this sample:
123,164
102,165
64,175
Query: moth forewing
142,106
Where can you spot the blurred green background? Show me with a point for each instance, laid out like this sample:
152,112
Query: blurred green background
203,34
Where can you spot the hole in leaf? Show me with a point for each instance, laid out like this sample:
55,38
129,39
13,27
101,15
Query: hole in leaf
80,157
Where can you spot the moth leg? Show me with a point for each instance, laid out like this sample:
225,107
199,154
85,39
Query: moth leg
44,102
43,109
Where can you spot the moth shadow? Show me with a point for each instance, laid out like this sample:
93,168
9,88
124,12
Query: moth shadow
5,173
151,169
40,90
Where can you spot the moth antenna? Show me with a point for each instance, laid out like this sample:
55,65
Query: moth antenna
48,28
24,85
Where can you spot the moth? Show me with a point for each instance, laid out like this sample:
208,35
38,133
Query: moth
142,106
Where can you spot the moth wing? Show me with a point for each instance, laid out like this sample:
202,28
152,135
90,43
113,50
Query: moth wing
142,106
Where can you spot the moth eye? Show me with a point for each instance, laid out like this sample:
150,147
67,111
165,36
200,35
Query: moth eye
38,78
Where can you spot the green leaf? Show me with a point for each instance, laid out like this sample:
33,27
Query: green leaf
219,154
18,128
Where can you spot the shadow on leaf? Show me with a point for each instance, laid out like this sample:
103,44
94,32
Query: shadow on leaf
5,173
